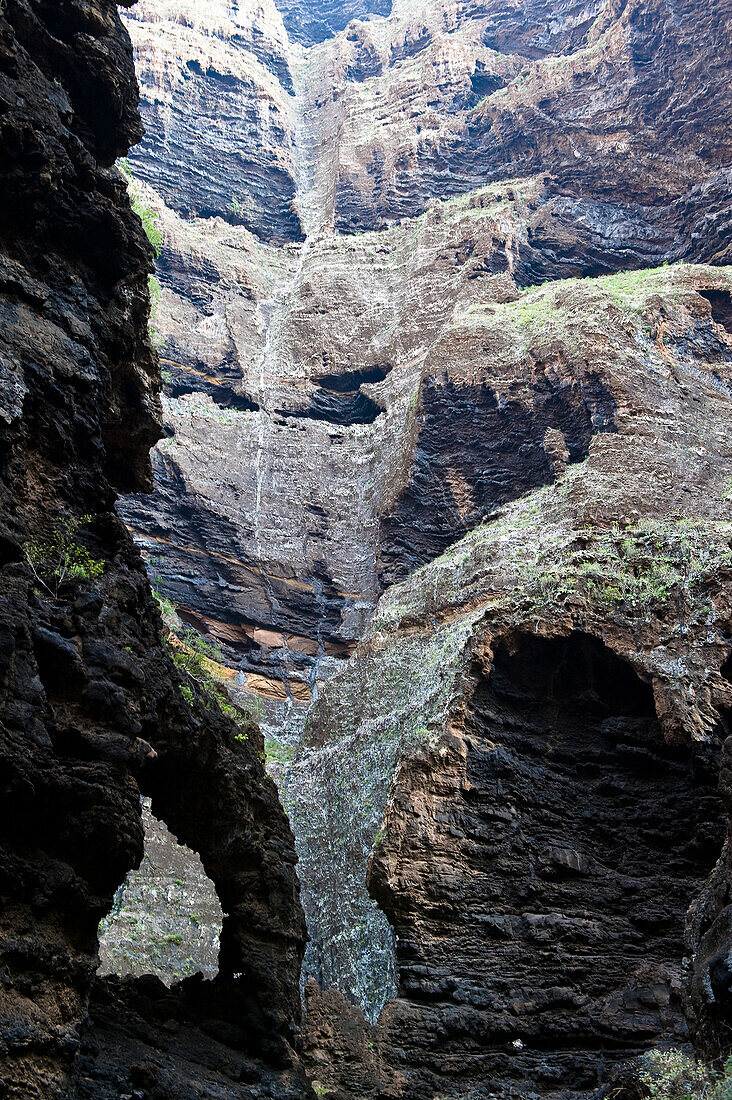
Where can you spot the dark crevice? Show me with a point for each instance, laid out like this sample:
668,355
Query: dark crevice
339,400
475,453
483,84
223,396
349,381
341,410
411,47
721,303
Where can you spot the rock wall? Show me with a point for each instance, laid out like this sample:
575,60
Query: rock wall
437,157
394,466
502,763
166,918
93,711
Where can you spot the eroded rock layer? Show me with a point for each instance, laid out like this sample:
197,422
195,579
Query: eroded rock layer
367,392
93,710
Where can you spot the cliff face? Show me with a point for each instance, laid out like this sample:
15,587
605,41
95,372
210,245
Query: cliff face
93,710
481,525
437,158
502,763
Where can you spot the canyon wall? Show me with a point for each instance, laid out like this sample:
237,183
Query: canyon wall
436,159
520,762
94,713
445,472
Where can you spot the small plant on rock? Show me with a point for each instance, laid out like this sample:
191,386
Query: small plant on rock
59,561
674,1075
198,658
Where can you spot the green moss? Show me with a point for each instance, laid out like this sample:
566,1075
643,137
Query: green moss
278,752
196,656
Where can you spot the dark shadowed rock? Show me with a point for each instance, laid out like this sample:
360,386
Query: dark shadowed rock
93,711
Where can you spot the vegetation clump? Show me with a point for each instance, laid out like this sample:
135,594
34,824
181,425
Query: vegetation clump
199,659
278,752
632,571
673,1075
151,224
149,217
60,561
154,290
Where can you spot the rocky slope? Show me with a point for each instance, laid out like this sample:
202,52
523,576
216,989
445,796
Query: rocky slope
93,710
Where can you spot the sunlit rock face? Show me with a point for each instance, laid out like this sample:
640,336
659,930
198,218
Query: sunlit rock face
218,109
434,157
166,918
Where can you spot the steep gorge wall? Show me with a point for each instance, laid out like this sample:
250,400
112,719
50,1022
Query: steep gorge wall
288,489
341,410
93,711
414,783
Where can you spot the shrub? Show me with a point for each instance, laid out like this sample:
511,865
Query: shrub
278,752
167,610
674,1075
196,656
59,561
147,216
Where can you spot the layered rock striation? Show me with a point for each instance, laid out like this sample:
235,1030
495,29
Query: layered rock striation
521,759
93,711
448,454
437,157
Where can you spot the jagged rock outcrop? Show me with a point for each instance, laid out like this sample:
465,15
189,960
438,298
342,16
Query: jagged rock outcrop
93,710
590,97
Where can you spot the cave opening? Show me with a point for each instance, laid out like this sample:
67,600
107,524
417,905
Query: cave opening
166,918
721,303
